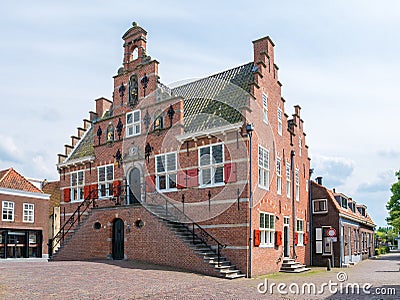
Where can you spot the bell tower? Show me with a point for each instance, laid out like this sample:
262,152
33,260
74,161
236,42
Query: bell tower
134,46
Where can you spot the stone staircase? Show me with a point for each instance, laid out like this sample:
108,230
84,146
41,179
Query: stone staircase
69,235
224,268
289,265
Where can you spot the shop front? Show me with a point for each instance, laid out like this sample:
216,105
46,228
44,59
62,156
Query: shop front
16,243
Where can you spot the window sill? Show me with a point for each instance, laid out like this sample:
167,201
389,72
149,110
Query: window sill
211,185
266,246
167,191
76,201
263,187
320,212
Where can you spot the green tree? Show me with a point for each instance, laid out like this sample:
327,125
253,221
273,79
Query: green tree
393,205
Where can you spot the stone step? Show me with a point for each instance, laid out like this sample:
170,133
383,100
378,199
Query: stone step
298,270
235,276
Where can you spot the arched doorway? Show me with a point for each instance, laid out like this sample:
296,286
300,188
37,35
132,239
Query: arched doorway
134,186
118,239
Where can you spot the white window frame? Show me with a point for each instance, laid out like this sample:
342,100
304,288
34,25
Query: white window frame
300,232
168,171
300,146
278,176
265,107
267,236
297,181
29,213
8,209
288,181
107,191
77,192
134,126
212,166
280,117
320,211
263,167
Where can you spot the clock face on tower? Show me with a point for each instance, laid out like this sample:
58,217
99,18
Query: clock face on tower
133,91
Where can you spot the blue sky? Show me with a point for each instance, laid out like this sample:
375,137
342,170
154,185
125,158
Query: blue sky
338,60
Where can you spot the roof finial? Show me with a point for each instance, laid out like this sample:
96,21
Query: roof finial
134,24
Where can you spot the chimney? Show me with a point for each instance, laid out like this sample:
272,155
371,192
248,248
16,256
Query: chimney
297,109
319,180
334,190
102,104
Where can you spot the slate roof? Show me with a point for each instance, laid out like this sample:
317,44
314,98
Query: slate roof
84,147
216,100
209,102
11,179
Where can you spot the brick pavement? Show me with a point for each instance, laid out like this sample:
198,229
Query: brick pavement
133,280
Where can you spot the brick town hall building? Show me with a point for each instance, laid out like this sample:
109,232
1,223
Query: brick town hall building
209,176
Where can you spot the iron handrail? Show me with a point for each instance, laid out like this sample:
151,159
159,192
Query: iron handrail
194,224
64,230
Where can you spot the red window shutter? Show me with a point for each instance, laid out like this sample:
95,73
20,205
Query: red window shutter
278,238
94,191
86,192
181,180
305,238
67,195
257,237
230,172
150,183
116,188
192,178
296,238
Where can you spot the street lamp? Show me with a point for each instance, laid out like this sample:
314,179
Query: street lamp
249,130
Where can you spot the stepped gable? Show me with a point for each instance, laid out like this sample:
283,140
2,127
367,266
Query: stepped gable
84,148
222,95
11,179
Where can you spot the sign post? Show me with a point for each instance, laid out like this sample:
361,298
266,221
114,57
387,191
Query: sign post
332,236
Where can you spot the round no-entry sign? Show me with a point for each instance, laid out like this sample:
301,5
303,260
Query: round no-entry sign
331,232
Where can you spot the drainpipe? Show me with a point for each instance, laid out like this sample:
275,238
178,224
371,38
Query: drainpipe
292,154
250,129
310,234
341,242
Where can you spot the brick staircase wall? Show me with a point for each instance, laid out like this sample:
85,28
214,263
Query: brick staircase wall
153,243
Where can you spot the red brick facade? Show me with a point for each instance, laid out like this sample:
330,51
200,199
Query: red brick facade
177,123
24,218
353,226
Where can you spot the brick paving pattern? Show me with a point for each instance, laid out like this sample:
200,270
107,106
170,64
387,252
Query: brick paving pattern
133,280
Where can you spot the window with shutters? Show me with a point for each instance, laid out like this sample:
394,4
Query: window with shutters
133,123
166,171
278,176
267,228
29,213
263,168
105,180
211,165
77,185
300,232
7,211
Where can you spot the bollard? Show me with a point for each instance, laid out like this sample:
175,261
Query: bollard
328,267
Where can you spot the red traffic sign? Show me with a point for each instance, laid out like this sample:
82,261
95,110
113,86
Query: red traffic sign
331,232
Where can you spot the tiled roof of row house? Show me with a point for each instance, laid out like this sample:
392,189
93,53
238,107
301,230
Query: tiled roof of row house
85,146
216,100
11,179
347,211
209,102
52,188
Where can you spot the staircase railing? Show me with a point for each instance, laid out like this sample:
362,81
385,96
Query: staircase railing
72,220
175,214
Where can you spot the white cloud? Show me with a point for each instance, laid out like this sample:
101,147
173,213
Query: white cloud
334,170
